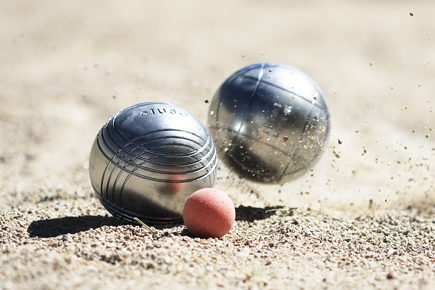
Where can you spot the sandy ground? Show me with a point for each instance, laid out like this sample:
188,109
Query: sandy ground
363,219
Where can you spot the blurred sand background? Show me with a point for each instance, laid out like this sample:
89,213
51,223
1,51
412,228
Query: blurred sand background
66,67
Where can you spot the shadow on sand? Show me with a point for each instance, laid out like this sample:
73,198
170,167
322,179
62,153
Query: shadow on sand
250,214
71,225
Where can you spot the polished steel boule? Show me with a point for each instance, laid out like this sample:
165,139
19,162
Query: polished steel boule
148,159
269,122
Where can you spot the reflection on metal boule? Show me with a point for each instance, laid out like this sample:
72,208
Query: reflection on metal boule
269,122
148,159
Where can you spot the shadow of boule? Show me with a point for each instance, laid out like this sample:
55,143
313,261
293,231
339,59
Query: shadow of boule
250,214
69,225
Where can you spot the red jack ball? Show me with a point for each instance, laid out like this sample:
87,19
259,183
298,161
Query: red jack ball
209,213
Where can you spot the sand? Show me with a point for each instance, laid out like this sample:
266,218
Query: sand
364,218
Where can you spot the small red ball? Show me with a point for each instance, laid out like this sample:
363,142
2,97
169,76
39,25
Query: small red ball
209,213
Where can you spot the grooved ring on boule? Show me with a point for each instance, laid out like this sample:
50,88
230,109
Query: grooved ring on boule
148,159
269,122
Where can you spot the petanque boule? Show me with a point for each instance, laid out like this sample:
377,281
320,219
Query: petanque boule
269,122
148,159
